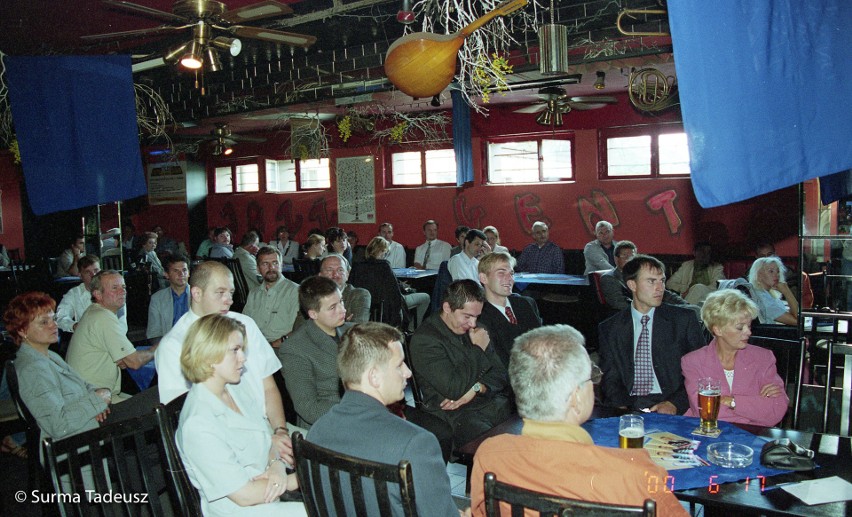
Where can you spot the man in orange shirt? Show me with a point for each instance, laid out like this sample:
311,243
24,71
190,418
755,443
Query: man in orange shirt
553,381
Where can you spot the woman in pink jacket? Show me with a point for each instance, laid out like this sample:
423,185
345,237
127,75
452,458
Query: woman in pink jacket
752,391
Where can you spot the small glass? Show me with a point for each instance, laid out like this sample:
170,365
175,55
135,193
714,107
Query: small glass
631,432
709,397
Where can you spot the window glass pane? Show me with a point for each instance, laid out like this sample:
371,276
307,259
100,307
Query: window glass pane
555,160
280,176
674,154
406,169
314,174
248,178
223,180
629,156
440,166
513,162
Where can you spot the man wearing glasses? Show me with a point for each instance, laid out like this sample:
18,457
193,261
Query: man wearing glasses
504,315
553,380
356,299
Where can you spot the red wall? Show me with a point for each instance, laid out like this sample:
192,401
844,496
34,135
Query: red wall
12,235
660,215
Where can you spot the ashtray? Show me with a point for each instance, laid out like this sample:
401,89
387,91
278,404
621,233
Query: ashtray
730,455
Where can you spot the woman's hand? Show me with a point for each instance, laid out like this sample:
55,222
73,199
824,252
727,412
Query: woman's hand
276,481
770,390
105,394
101,417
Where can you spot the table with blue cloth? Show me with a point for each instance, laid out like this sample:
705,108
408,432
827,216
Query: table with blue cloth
523,280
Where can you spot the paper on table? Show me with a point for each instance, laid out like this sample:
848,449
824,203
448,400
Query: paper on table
819,491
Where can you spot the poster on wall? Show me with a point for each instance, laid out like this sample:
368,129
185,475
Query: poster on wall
167,183
356,190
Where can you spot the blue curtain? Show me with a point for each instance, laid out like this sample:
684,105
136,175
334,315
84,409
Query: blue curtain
75,120
461,139
766,92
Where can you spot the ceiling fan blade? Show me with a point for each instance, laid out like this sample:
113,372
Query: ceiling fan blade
286,38
149,11
535,108
595,99
137,33
257,11
242,138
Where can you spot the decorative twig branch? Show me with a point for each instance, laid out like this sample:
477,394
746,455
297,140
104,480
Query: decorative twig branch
308,139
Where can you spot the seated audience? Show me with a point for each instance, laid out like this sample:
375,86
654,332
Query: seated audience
4,257
245,253
463,381
505,316
699,277
492,237
149,260
223,437
767,249
641,347
358,252
75,302
129,241
752,391
221,247
461,233
765,277
274,304
600,253
396,253
288,249
314,247
167,306
338,242
204,248
356,300
308,357
542,256
370,364
165,244
553,382
100,349
464,265
59,399
67,263
431,253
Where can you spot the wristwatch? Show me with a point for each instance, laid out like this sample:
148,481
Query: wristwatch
477,388
733,403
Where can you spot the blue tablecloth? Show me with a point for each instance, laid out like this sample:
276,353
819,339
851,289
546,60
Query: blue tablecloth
604,431
413,273
143,376
523,280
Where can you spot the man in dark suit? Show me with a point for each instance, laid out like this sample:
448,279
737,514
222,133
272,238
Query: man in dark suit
504,316
462,379
370,364
641,346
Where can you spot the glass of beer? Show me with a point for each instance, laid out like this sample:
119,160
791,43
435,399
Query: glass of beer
631,432
709,395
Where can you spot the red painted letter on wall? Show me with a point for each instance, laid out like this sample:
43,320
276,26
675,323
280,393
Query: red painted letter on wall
528,212
665,201
598,208
471,218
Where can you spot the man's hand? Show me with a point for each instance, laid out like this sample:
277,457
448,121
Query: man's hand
770,390
281,442
418,265
101,417
452,405
665,407
480,337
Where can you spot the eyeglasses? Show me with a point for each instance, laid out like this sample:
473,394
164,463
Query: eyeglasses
596,375
330,271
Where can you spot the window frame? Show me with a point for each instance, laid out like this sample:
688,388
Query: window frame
530,137
389,177
298,173
653,131
233,165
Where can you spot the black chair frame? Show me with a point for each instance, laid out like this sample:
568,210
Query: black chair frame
33,431
167,421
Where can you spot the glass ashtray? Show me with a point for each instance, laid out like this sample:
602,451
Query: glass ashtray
730,455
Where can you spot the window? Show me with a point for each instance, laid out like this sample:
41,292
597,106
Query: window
296,175
248,178
644,152
224,180
530,161
415,168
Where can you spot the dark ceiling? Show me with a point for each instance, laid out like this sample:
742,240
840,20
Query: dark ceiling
266,81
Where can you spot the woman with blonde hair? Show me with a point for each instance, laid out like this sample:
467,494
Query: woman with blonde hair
314,246
493,239
767,276
223,436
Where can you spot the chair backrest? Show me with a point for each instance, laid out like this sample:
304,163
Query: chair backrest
547,505
415,386
332,483
790,363
240,285
167,421
442,281
387,304
126,457
112,262
306,267
33,431
595,282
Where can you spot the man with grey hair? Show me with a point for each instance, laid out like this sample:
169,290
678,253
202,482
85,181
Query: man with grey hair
600,253
541,256
355,299
245,253
553,380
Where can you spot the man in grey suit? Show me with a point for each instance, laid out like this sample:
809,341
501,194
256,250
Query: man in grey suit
649,333
371,366
168,305
245,253
356,299
309,356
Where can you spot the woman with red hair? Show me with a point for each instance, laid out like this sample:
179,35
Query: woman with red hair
62,403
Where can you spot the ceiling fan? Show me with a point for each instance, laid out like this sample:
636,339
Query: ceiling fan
556,102
202,19
222,139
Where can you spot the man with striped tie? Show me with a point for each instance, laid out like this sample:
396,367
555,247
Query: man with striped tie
504,315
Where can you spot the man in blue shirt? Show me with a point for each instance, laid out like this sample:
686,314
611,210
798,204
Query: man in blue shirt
168,305
542,256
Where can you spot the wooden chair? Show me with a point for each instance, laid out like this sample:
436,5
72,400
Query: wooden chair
240,285
167,420
442,281
387,303
332,483
32,430
126,457
790,363
547,505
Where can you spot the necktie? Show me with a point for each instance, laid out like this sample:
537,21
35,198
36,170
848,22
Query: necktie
643,379
426,257
511,315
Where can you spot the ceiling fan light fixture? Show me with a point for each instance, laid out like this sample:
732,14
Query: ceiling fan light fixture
171,56
214,64
600,83
228,151
192,58
545,117
232,45
557,118
218,149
